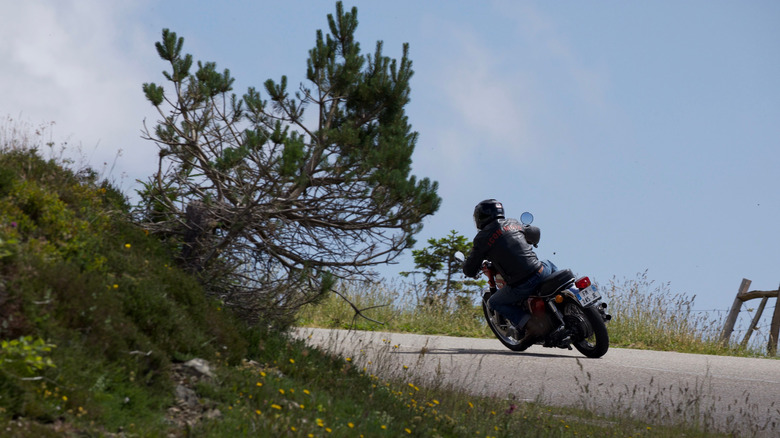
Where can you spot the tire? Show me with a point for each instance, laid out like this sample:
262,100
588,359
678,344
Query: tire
589,333
499,325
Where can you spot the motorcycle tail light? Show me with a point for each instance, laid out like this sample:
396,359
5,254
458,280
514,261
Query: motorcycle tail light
582,283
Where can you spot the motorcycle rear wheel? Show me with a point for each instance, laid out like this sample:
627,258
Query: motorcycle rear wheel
499,325
590,335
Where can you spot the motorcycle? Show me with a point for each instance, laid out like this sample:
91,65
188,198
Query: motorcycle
564,311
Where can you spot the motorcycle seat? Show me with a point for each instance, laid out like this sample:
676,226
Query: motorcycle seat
555,282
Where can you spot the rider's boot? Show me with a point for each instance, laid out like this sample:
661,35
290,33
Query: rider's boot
518,331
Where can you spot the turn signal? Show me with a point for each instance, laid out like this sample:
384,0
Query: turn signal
559,299
582,283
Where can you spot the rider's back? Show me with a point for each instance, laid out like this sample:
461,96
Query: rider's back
508,245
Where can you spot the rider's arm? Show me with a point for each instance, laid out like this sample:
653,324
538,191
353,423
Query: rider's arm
473,263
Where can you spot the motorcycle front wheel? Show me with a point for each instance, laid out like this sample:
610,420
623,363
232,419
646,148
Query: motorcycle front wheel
589,333
499,325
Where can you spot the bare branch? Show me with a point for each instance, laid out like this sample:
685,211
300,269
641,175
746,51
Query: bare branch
359,312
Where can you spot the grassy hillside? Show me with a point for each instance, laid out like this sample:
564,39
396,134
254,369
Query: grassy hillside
101,335
98,327
92,312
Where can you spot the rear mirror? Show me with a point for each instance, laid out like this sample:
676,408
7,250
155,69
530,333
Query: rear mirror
526,218
459,257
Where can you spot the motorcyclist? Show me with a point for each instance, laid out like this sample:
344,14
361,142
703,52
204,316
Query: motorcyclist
507,244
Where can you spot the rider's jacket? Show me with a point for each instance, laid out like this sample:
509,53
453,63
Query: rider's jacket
507,244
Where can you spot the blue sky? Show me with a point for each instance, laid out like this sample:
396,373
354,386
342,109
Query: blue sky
642,135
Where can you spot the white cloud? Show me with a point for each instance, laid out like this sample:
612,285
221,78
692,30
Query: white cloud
78,64
489,98
585,80
526,96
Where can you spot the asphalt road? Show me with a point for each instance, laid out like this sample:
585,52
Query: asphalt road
730,394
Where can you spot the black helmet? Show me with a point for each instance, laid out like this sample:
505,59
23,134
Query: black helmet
486,212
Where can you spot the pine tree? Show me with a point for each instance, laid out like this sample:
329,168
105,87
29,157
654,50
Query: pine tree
273,198
441,270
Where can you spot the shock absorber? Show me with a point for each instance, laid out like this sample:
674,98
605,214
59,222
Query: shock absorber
555,311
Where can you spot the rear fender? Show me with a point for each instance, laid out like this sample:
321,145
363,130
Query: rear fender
569,294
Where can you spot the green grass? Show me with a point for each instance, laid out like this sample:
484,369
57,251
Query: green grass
96,321
644,316
393,307
650,316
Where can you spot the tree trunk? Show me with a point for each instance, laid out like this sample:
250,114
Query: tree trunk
199,228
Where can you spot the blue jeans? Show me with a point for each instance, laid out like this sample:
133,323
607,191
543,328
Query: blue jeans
508,300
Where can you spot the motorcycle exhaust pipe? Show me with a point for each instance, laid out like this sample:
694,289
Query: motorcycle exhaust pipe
606,315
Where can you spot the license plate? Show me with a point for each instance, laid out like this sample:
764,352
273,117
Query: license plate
589,295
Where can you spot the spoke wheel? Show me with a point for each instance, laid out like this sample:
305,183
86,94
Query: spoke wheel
499,325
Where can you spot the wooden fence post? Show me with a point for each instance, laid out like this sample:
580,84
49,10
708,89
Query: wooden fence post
774,329
754,322
731,320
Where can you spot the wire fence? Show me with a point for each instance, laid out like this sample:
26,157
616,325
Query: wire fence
760,337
